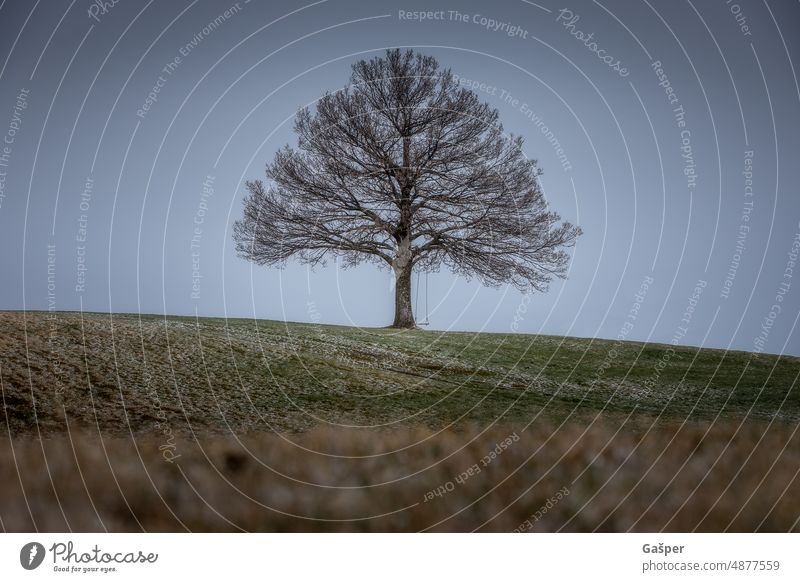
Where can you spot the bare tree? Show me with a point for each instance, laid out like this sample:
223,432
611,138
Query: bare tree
406,168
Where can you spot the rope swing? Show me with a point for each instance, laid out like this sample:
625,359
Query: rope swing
416,300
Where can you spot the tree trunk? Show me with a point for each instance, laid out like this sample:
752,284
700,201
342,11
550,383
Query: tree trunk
403,312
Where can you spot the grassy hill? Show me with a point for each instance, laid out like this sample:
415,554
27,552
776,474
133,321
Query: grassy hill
153,424
132,372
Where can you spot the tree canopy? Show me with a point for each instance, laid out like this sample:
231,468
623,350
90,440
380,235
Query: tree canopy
404,167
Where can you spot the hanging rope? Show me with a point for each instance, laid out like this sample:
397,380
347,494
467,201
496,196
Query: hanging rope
426,299
416,296
416,299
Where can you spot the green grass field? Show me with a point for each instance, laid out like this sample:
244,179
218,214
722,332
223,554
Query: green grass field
130,372
144,424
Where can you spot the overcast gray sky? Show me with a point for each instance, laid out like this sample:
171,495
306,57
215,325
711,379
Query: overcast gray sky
667,130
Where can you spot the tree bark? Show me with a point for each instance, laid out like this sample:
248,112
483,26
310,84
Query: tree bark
403,312
403,261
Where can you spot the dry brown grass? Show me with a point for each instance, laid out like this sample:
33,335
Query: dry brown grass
699,477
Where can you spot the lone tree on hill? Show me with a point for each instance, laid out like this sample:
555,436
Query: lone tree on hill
405,167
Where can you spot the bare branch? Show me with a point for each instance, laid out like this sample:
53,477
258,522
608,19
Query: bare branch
404,167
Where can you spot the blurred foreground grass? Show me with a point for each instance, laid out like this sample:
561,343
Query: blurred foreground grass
720,478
